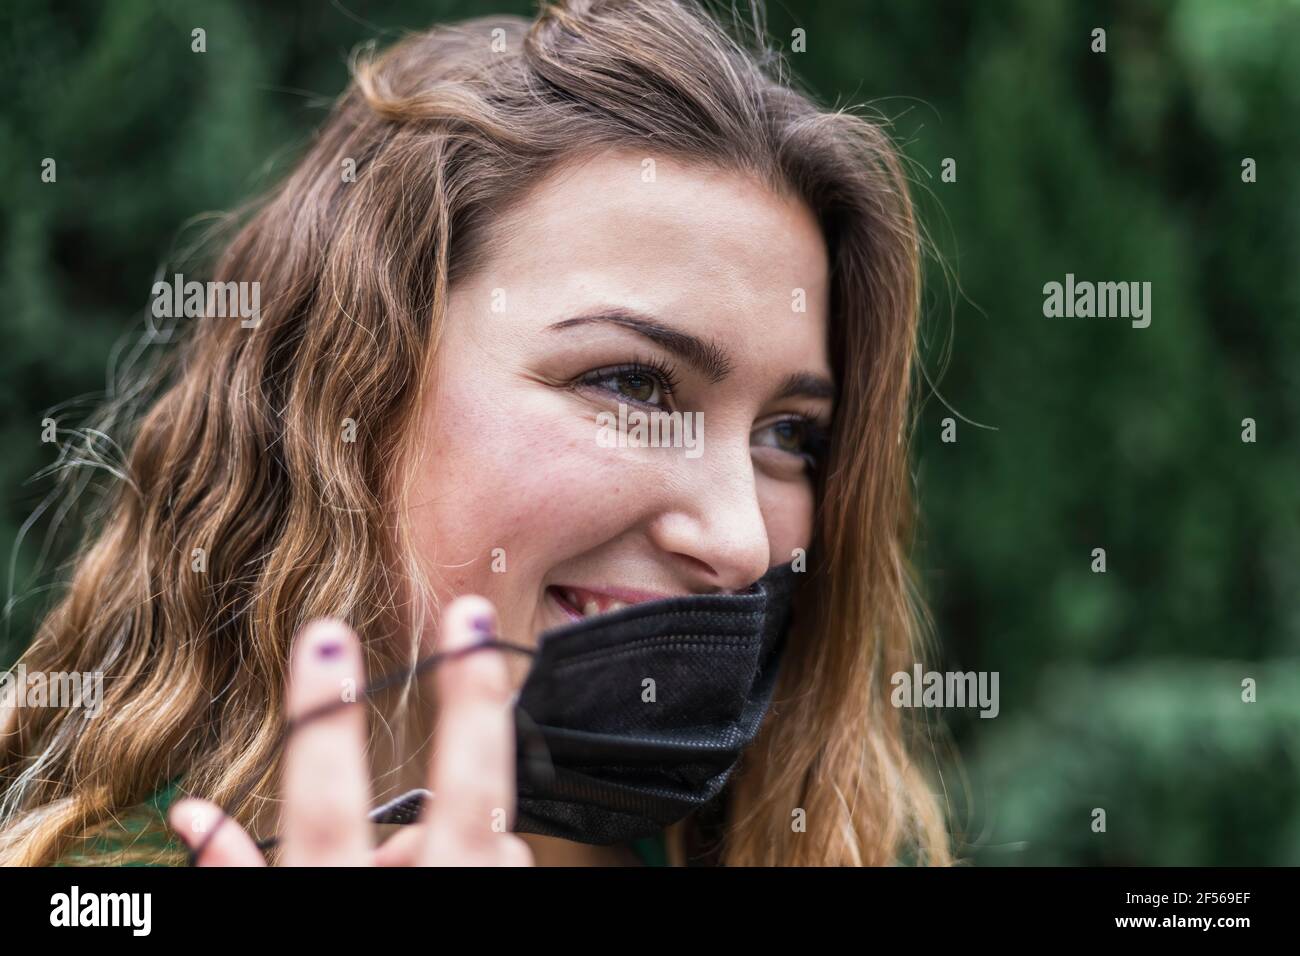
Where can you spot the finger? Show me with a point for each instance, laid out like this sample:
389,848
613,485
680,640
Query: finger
512,851
473,774
223,841
327,778
402,848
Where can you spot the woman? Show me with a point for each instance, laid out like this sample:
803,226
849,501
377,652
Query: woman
505,232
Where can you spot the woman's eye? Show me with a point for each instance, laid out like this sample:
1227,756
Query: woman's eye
802,438
789,436
637,384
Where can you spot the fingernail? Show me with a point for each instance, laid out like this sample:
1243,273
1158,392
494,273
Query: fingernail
484,626
328,650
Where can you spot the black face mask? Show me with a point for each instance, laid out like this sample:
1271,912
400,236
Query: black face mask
603,755
630,721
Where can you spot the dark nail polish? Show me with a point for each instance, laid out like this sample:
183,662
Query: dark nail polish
329,650
484,626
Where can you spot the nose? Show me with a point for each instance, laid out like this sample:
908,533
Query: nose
711,519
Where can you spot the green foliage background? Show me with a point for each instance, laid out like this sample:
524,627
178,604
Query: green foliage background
1119,690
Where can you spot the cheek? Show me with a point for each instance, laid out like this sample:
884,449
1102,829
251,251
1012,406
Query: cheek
513,474
788,511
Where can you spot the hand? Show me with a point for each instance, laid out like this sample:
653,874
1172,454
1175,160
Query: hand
327,780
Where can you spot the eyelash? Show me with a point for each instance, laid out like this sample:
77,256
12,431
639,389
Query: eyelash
666,379
660,372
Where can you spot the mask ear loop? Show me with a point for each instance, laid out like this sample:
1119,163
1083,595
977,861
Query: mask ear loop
406,808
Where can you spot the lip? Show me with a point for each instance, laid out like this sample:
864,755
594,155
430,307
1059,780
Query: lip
603,596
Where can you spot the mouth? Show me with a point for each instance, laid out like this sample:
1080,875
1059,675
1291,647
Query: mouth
582,603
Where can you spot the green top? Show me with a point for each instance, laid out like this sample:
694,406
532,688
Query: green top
131,836
651,850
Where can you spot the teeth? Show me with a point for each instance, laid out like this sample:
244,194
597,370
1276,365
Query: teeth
590,606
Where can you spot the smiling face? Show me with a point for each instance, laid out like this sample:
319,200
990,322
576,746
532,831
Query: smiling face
601,288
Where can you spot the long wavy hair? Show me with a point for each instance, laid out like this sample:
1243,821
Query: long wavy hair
233,438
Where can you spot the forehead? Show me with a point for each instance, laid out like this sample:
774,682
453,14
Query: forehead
713,250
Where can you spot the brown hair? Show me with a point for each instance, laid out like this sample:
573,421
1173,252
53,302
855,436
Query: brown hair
240,452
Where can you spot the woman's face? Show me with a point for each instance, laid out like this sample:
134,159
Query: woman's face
699,292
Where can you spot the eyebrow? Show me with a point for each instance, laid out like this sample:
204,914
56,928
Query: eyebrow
706,357
807,385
